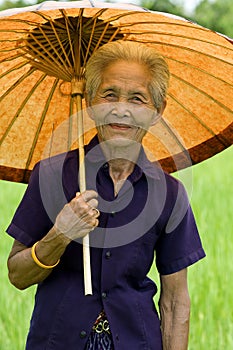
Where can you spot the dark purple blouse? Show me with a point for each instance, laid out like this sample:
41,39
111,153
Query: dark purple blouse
150,216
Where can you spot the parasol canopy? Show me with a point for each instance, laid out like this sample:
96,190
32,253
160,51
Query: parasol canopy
43,48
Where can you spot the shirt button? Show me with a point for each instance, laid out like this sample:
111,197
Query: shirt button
83,334
108,254
104,295
105,166
113,213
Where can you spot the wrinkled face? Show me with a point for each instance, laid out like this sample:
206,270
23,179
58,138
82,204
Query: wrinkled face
122,107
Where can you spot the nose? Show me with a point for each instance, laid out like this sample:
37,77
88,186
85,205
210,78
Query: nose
121,110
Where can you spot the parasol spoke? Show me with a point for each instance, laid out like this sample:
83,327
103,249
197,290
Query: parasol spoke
21,107
12,69
198,69
46,51
183,48
53,46
50,70
13,57
175,137
68,26
99,42
221,138
77,44
186,49
184,24
60,43
17,83
97,15
124,14
13,31
44,54
220,104
22,21
168,34
87,48
40,124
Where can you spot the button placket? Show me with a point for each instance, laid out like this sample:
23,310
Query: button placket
83,334
104,295
108,254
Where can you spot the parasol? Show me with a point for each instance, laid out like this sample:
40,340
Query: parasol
44,50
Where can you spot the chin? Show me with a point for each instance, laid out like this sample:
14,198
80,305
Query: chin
120,142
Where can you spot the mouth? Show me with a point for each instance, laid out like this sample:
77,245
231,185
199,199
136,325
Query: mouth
118,126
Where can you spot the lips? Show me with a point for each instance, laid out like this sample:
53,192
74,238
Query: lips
118,126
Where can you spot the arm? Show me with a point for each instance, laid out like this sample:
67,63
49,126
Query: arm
75,220
174,305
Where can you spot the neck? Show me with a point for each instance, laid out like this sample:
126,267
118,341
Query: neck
122,157
120,169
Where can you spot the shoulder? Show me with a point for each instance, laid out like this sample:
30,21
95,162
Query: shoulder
53,166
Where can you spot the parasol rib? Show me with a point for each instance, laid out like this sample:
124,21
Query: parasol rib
17,83
220,104
184,48
187,64
41,123
90,41
59,41
53,47
184,37
12,69
21,108
69,36
37,52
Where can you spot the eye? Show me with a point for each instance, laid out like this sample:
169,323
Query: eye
109,96
137,100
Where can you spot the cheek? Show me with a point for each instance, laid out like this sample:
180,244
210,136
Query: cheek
144,118
100,111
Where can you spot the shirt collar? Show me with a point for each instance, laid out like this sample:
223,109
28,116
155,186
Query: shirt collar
94,154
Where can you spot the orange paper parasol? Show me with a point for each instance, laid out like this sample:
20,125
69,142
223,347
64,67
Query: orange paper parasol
43,53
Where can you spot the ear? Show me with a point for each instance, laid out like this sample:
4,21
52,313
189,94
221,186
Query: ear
158,113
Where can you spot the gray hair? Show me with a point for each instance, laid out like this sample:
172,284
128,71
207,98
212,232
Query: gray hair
128,51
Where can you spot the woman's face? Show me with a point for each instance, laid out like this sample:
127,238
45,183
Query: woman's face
122,108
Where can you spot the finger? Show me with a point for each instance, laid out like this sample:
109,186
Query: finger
95,224
88,195
96,212
93,203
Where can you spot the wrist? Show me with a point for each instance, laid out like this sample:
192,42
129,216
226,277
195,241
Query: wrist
40,263
57,237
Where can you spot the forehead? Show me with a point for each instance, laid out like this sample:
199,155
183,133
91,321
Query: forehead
124,73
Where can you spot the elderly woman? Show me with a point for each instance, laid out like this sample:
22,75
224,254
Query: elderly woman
142,211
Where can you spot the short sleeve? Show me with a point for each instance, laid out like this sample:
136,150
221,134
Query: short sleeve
179,244
31,221
53,183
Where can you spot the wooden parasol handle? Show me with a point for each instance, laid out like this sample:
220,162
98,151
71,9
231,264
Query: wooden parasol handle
77,92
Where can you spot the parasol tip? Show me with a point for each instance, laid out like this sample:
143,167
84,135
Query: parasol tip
77,87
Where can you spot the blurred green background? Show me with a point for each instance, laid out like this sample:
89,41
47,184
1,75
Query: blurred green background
212,201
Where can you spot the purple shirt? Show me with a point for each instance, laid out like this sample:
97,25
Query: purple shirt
150,215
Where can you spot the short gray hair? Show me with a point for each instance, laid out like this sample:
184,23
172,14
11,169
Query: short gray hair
128,51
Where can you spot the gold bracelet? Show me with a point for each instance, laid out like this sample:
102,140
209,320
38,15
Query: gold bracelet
37,261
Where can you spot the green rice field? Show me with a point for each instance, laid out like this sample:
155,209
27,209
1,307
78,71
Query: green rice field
210,280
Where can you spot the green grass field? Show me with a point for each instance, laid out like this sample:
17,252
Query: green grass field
210,280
